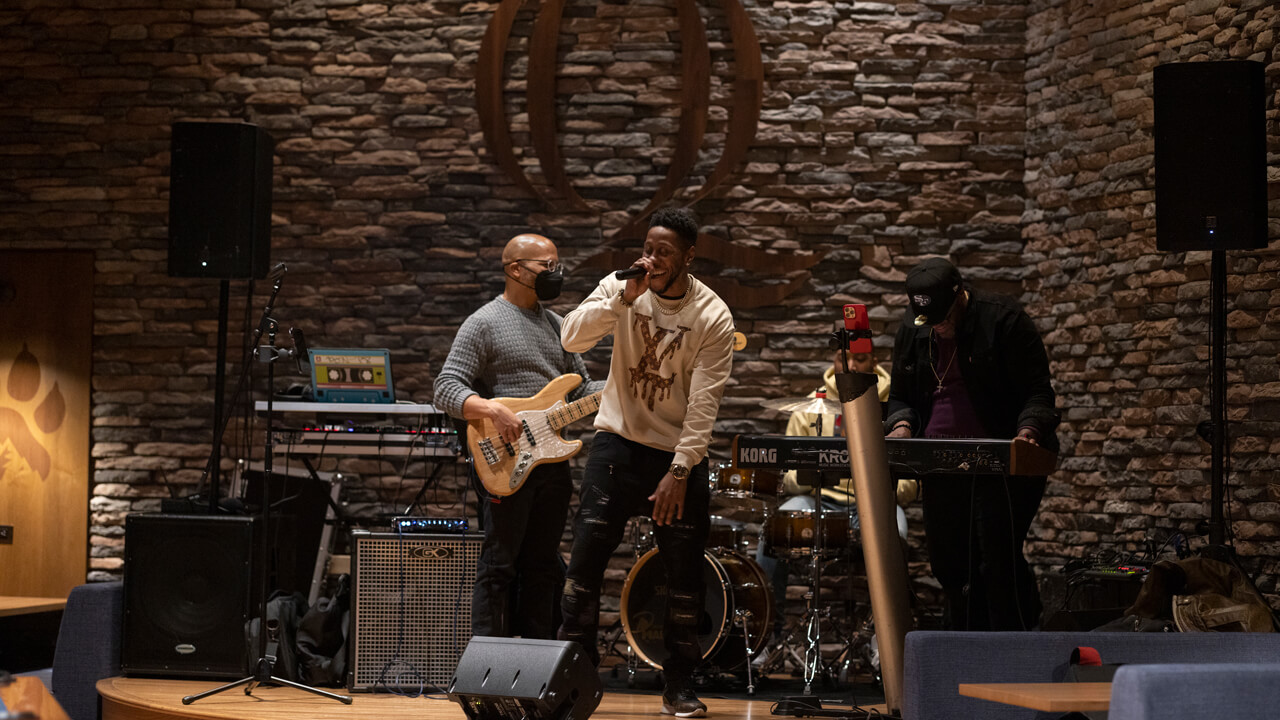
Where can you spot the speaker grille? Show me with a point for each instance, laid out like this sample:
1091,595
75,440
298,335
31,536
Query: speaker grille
188,591
411,614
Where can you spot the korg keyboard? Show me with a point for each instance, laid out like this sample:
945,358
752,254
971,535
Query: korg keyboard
907,456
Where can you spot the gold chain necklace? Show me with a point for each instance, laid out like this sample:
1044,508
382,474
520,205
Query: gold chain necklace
932,366
657,301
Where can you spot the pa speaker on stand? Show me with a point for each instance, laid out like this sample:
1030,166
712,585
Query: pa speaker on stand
1211,194
219,200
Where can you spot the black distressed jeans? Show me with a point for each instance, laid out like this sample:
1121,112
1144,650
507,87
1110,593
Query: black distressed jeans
619,478
520,572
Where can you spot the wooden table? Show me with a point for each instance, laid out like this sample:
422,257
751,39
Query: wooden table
16,605
1047,697
29,695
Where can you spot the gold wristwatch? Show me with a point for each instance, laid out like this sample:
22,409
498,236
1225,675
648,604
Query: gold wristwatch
679,472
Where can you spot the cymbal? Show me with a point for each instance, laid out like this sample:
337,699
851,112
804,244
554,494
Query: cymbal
813,405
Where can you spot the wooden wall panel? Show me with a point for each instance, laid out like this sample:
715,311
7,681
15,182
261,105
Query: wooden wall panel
46,325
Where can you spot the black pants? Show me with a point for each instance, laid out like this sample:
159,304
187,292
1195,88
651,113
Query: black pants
619,478
975,528
520,571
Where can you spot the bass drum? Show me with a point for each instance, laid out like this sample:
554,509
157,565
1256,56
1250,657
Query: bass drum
736,588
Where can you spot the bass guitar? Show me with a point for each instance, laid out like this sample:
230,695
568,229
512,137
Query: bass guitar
503,467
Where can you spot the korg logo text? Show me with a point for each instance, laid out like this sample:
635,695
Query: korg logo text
826,458
757,455
430,553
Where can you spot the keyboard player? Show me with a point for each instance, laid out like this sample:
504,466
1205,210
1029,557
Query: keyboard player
970,364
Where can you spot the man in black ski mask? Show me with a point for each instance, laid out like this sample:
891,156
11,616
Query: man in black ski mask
510,348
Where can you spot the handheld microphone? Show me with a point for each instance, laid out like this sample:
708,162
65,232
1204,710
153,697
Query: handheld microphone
858,326
631,272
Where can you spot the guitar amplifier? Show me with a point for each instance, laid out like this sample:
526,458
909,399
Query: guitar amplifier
410,609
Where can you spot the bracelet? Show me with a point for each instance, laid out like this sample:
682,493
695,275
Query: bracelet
622,299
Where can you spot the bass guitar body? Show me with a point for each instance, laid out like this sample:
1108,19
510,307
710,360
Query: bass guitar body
503,467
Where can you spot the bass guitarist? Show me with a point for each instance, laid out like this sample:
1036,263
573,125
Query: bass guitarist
510,347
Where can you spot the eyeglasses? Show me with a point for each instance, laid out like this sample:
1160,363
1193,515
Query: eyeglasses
551,265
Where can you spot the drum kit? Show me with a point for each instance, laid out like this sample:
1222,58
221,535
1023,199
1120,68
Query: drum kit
739,610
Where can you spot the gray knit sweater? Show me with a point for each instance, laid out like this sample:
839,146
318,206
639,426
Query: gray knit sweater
503,350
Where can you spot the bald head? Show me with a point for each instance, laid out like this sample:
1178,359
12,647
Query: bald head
526,246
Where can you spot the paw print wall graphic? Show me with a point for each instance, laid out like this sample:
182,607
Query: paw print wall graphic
20,408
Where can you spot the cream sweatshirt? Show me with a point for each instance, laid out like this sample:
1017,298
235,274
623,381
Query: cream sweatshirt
668,371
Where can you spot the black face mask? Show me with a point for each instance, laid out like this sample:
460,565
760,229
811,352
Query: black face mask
548,283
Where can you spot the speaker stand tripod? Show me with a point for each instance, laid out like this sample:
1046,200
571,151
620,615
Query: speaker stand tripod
264,670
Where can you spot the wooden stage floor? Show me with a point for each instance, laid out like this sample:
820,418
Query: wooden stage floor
149,699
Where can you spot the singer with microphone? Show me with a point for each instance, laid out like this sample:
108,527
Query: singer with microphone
672,352
970,364
510,348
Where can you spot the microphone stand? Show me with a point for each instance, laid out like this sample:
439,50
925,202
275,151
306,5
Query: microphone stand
212,468
265,668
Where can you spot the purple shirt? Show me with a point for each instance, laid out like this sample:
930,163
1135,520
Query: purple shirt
953,415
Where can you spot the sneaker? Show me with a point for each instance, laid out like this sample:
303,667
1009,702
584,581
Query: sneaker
682,703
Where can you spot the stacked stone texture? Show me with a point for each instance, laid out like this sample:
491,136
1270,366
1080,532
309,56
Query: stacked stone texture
1014,137
1126,325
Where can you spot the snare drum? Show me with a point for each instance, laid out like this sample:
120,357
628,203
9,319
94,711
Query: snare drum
791,533
745,483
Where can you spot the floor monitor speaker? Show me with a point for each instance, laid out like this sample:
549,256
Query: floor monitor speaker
501,678
410,608
219,200
1211,156
188,590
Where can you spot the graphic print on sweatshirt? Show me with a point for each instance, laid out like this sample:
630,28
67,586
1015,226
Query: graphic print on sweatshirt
647,380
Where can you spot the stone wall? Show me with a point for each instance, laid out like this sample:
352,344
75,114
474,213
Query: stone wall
1014,137
1127,326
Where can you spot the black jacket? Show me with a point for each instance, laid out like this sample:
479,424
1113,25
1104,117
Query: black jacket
1003,363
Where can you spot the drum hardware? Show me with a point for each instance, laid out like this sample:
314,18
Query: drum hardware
627,655
743,616
848,620
860,648
642,539
820,407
